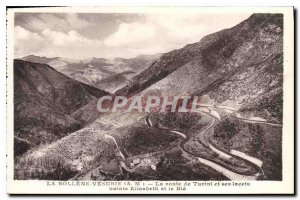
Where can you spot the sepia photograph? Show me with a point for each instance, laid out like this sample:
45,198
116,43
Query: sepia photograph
150,100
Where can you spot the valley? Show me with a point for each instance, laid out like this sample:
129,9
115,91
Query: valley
105,74
235,133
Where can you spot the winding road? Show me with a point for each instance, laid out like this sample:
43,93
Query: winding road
244,169
238,117
234,165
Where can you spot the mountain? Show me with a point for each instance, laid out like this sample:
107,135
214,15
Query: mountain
241,65
38,59
106,74
43,101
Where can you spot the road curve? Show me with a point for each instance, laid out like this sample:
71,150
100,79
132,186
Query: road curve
226,168
240,118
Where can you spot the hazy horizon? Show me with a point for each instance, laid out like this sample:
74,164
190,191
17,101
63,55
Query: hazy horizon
87,57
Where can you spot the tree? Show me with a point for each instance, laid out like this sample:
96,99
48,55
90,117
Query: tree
257,136
226,130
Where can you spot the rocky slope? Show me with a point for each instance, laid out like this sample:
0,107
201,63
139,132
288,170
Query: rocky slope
241,66
43,101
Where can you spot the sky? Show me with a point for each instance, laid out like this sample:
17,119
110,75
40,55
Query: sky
109,35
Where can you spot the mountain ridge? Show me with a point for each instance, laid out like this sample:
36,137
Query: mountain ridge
44,100
210,65
206,67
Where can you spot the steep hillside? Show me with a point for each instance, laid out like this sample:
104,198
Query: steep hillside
43,101
241,65
114,82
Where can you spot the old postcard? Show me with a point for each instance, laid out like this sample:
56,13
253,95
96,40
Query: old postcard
150,100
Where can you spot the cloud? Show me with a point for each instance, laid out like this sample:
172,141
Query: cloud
131,35
54,35
58,22
26,41
76,22
162,33
53,43
56,38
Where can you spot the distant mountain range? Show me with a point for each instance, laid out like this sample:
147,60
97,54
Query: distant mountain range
106,74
